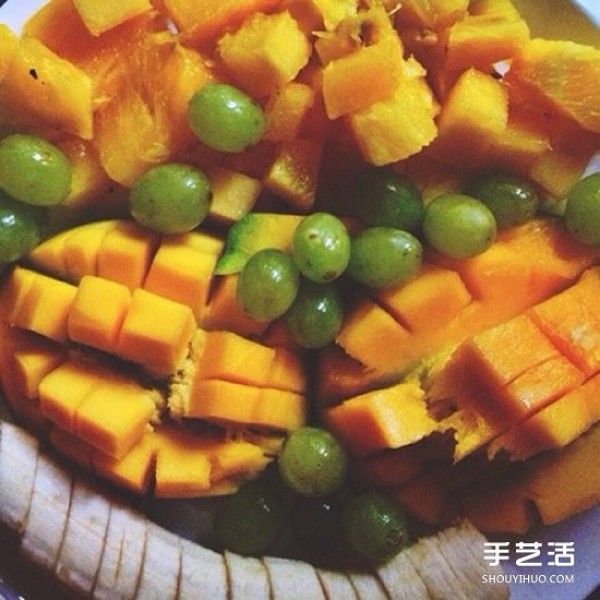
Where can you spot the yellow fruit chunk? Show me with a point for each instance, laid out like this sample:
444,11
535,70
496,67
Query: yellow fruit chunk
156,332
266,52
44,93
72,254
286,109
125,254
234,194
183,467
563,74
333,12
387,418
228,356
235,403
432,15
427,302
373,337
90,185
56,297
554,426
367,74
9,44
399,126
201,21
181,270
33,359
99,18
98,328
64,388
113,417
473,116
294,173
480,40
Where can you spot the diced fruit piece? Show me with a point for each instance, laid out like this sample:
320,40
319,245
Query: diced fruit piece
266,52
224,401
98,329
125,253
234,194
55,296
286,109
473,116
563,74
368,74
181,269
399,126
156,332
43,93
202,22
100,18
387,418
294,173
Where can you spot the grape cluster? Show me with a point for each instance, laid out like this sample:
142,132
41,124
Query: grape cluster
307,496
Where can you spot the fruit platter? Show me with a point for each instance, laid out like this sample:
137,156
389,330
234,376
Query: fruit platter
298,299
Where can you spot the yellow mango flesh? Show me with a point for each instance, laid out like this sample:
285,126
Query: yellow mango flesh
120,301
98,18
42,93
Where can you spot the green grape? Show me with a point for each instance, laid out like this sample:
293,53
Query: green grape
33,170
249,521
458,225
268,284
375,526
316,315
384,256
21,228
313,462
582,213
225,118
382,197
170,198
321,247
512,200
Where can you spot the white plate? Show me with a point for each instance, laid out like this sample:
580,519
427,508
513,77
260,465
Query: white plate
583,530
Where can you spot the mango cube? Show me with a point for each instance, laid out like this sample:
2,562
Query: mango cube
100,17
266,52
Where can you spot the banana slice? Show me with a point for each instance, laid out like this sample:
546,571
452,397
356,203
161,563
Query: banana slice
336,585
85,534
203,573
124,550
292,579
47,518
162,565
18,460
247,577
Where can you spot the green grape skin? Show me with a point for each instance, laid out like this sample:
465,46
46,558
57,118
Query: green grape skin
582,212
33,170
374,526
268,284
170,198
382,257
513,200
385,198
224,118
313,462
250,520
21,228
321,247
316,316
458,225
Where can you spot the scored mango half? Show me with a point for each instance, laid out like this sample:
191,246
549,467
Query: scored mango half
107,349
